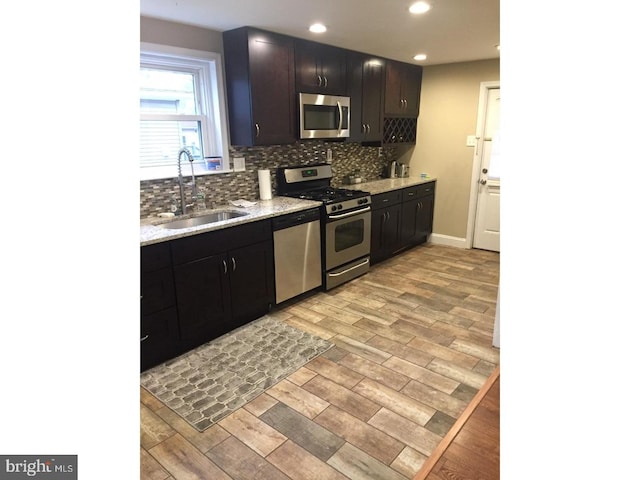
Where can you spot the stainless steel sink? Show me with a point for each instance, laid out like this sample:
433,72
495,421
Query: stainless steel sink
203,219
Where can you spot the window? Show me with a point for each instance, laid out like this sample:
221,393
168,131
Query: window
181,106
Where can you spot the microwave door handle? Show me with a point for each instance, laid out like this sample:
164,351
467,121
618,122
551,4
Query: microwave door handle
339,116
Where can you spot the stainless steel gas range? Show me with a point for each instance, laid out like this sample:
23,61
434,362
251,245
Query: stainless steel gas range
345,220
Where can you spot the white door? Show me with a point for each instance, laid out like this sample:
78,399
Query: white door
487,222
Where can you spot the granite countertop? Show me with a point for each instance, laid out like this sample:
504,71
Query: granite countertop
151,232
387,184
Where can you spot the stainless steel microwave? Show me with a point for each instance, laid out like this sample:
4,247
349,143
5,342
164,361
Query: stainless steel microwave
324,116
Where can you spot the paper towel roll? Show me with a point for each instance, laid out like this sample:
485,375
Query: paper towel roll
264,182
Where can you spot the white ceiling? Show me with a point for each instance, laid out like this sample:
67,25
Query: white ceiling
452,31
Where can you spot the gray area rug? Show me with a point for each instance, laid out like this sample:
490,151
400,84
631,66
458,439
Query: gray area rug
208,383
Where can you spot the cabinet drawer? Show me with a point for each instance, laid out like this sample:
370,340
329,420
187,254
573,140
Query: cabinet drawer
212,243
386,199
154,257
418,191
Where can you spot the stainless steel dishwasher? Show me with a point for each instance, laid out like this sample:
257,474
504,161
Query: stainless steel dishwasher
297,253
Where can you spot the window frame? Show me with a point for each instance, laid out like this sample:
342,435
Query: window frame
210,78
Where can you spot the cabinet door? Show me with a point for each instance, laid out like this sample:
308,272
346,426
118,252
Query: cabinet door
409,228
402,89
320,68
426,215
158,337
412,84
393,103
260,83
203,299
157,290
272,89
372,98
385,232
366,89
251,277
417,220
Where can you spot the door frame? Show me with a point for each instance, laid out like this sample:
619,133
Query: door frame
477,159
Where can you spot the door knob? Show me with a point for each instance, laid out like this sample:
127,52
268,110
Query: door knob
483,182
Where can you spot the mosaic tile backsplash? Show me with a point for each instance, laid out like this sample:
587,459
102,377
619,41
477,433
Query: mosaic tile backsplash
157,196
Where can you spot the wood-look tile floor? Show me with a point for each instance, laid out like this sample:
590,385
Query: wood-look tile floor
413,345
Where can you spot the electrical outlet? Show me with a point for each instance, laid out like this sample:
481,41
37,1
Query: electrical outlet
471,140
238,164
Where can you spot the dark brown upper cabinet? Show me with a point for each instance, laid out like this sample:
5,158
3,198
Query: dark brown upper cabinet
366,76
320,68
402,89
260,83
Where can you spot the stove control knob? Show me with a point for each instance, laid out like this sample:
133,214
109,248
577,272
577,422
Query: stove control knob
362,201
339,207
334,208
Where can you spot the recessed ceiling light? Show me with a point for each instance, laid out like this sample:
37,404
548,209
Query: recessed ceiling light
420,56
419,7
317,28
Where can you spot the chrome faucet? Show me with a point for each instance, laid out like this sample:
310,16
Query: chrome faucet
183,203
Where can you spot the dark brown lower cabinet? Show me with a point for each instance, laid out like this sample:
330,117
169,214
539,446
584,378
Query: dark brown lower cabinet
401,219
203,300
417,214
385,225
158,315
216,281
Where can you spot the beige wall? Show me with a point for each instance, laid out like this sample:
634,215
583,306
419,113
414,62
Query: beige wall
179,35
448,113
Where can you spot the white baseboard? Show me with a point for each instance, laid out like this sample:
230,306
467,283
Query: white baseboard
439,239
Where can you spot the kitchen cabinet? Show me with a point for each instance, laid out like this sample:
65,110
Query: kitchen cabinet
417,214
158,315
223,279
320,68
402,89
385,225
260,83
366,77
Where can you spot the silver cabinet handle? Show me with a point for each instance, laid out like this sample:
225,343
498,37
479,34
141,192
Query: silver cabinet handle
144,338
224,263
364,128
257,130
325,81
233,263
319,81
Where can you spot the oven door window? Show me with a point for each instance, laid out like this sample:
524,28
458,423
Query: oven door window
349,235
347,239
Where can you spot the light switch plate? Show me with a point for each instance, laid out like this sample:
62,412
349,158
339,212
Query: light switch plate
471,140
238,164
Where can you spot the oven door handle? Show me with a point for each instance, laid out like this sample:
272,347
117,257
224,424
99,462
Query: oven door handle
337,274
349,214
